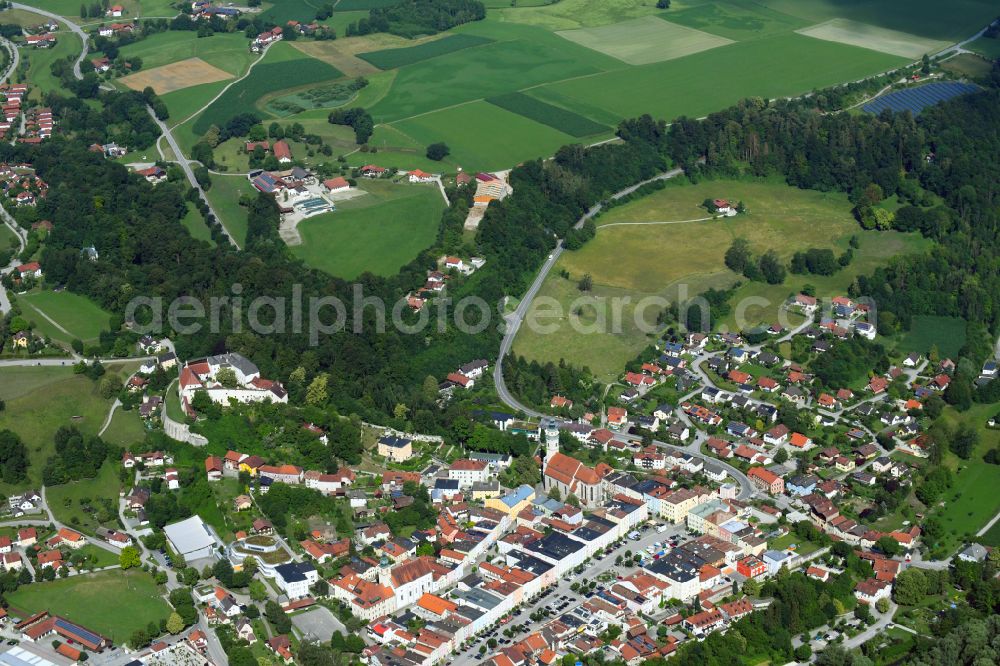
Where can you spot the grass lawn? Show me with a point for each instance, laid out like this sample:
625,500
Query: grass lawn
674,261
377,233
948,333
195,224
76,316
19,381
174,410
67,500
992,536
100,558
225,197
7,238
40,62
802,546
969,65
972,500
125,428
986,47
49,401
128,600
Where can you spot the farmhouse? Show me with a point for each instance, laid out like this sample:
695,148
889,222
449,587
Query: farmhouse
338,184
418,176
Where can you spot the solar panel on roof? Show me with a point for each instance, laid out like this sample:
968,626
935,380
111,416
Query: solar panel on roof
917,99
86,635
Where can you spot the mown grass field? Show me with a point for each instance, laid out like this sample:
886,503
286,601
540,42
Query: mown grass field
40,63
225,198
67,500
43,400
393,58
643,41
376,233
78,315
129,600
484,136
968,65
195,224
679,261
227,51
927,331
125,428
972,500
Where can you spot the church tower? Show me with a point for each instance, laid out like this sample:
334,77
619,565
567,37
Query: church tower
550,434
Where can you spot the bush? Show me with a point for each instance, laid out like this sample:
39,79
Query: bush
438,151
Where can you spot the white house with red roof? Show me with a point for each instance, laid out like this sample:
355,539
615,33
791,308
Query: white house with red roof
31,269
418,176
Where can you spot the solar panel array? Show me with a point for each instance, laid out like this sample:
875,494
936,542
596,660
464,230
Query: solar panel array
77,630
917,99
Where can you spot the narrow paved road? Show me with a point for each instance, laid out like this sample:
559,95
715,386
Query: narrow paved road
72,26
186,166
15,59
515,318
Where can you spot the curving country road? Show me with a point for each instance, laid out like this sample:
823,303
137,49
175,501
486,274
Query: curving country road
72,26
15,58
515,319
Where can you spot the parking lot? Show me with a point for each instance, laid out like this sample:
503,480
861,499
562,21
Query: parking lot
560,598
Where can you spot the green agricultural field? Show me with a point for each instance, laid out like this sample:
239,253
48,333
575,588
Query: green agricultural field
672,261
564,120
985,46
783,65
43,403
521,57
856,33
133,9
64,315
951,21
282,68
926,331
738,21
484,136
365,5
376,233
571,14
992,536
184,103
393,58
395,149
72,502
643,41
227,51
136,601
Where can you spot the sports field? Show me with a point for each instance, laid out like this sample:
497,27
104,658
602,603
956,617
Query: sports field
873,37
683,260
643,41
376,233
175,76
128,601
